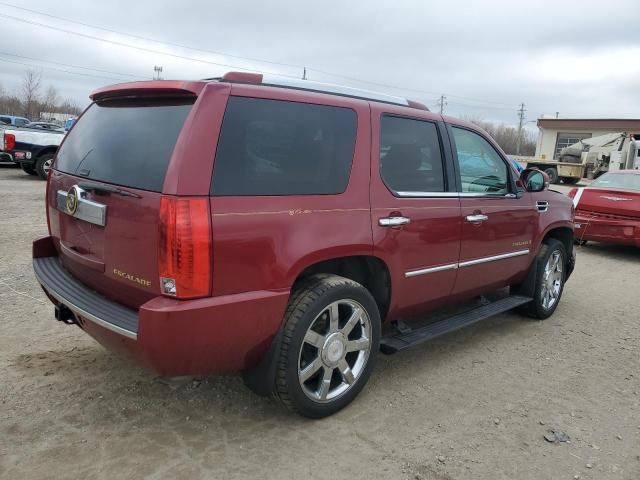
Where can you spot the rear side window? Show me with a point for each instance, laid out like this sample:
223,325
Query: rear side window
127,143
410,156
273,147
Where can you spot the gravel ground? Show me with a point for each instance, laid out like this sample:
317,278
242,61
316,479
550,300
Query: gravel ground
475,404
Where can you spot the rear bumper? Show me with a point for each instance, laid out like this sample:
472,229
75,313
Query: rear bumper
6,158
214,335
621,232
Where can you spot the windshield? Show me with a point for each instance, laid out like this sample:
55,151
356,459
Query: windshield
626,181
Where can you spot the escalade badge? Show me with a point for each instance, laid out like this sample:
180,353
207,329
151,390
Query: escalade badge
72,199
615,199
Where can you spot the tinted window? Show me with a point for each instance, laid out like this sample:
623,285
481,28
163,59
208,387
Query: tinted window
20,122
410,155
128,143
271,147
482,170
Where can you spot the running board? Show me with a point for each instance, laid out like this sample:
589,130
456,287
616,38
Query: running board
401,341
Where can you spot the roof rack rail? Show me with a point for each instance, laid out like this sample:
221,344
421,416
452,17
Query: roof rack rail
312,86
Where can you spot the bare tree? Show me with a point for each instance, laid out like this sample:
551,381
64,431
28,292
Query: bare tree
507,137
51,100
30,91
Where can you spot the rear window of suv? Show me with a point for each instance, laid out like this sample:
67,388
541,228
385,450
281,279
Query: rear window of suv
125,142
273,147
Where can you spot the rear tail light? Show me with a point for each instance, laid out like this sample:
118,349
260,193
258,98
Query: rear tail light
572,192
8,141
184,259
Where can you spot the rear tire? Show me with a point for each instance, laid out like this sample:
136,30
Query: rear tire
552,174
27,169
43,165
330,339
551,263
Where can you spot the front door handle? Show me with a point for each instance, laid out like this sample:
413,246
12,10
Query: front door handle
393,221
477,218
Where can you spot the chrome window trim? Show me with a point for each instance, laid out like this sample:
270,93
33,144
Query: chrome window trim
88,211
467,263
454,195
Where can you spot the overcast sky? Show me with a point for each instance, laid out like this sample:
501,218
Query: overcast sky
579,58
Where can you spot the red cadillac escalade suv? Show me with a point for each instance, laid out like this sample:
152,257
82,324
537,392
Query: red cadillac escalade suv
289,231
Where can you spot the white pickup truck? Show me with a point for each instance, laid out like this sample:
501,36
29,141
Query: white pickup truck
32,148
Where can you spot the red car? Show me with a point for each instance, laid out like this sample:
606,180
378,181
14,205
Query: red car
608,210
289,231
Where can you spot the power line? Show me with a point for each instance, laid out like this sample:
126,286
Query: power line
60,70
139,37
126,45
131,75
149,39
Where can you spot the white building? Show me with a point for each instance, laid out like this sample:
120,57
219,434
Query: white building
556,133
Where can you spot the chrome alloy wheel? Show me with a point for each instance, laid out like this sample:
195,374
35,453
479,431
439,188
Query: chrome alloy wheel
552,280
335,351
46,166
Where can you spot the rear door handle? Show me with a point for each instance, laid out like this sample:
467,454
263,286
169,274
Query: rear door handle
393,221
477,218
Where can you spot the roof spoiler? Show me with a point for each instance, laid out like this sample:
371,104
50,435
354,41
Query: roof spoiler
153,88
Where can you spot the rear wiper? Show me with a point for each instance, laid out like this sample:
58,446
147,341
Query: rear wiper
105,189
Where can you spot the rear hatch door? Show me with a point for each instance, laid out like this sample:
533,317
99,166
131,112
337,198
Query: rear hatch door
104,193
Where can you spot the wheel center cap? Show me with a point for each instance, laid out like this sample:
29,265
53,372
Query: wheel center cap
334,349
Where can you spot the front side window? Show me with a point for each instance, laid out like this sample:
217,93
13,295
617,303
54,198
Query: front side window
410,156
481,169
273,147
21,122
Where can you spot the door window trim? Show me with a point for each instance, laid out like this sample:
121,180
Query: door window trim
448,177
513,190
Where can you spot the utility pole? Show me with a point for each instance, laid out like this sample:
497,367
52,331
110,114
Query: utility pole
442,102
304,73
157,70
520,123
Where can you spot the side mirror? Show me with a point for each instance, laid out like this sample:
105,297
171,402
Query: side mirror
534,180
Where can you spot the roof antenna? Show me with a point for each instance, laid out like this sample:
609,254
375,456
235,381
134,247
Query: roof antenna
304,73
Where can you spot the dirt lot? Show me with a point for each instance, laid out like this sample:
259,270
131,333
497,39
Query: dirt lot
472,405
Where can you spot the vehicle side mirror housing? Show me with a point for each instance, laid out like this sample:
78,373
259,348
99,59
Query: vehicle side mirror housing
534,180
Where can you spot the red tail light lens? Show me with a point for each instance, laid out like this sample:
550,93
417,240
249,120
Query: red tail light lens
184,259
9,141
572,192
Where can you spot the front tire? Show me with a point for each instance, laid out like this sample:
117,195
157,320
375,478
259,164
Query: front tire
551,265
43,165
330,340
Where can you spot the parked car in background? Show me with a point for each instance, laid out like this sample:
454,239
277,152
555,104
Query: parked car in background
608,210
45,126
293,240
13,120
68,123
31,148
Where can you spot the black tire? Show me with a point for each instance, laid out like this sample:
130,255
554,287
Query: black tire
552,173
27,169
307,306
536,308
570,180
43,164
